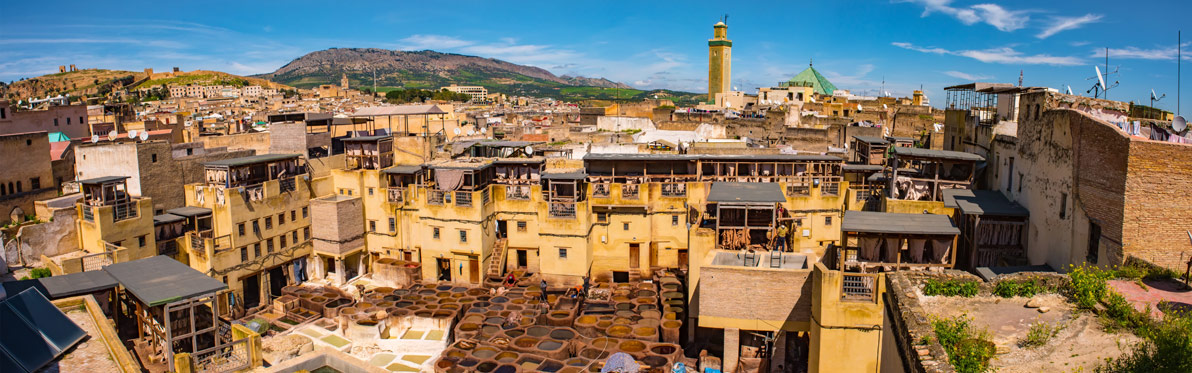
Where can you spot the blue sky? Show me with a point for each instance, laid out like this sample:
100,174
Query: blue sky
856,44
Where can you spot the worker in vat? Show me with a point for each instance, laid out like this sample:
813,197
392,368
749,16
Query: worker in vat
510,281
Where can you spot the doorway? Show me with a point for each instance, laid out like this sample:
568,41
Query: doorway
635,259
474,269
620,276
502,229
277,279
653,255
252,291
682,258
407,256
444,266
523,259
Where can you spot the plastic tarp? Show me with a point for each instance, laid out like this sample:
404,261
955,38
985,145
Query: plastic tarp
621,363
448,179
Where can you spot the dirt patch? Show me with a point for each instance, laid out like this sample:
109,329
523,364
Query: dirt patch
1081,344
90,355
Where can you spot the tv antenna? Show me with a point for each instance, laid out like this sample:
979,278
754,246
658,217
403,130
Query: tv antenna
1100,90
1155,98
1019,78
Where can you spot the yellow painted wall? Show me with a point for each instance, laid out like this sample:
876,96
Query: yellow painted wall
846,335
123,233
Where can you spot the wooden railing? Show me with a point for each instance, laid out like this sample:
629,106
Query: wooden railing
563,210
600,190
397,194
674,189
463,198
435,197
630,191
517,192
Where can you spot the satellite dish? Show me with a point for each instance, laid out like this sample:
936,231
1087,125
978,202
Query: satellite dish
94,139
456,131
529,150
132,134
1179,124
144,136
484,130
1100,79
858,107
471,132
112,136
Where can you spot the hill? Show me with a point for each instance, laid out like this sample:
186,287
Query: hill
91,82
428,70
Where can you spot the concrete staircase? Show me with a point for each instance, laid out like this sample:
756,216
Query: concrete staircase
496,261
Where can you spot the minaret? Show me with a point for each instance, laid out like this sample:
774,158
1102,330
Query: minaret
720,58
343,82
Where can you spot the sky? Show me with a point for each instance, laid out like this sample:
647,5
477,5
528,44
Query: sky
862,46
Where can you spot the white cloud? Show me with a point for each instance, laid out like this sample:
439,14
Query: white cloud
435,42
992,14
1003,55
966,76
1059,24
1142,54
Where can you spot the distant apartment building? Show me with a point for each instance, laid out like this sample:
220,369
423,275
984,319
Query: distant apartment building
478,93
71,120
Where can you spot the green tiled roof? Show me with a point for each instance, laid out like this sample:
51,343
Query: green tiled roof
812,78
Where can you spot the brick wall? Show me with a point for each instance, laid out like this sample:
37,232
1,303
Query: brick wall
1100,161
1158,208
755,294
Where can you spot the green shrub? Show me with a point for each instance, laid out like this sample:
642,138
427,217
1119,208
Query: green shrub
1086,285
968,350
951,288
1028,288
1167,347
1120,314
1039,334
40,272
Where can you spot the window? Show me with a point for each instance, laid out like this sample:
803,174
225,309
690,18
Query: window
1063,205
141,241
1094,242
3,114
281,241
304,212
81,121
294,236
370,191
306,233
153,157
521,226
256,227
240,228
675,219
372,226
562,253
28,142
602,217
798,222
35,183
626,226
68,121
244,254
392,225
281,218
18,187
828,220
435,234
190,151
293,215
256,249
268,222
55,121
463,236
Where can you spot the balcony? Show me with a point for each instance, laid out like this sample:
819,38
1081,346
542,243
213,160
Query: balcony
396,195
435,197
861,287
600,190
287,184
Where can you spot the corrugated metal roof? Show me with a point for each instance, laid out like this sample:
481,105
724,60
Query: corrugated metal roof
564,175
403,169
938,154
746,192
398,110
895,223
871,140
982,202
160,279
250,160
103,179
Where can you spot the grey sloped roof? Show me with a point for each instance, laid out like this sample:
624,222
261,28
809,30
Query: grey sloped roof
160,279
982,202
190,211
104,179
746,192
564,175
403,169
871,140
234,162
937,154
895,223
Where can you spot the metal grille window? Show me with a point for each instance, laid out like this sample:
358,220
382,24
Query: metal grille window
600,190
463,236
485,198
630,191
830,187
798,187
281,241
562,210
306,233
269,223
304,213
392,225
372,225
281,218
240,228
517,192
434,197
435,233
562,253
294,236
463,199
521,226
243,253
674,189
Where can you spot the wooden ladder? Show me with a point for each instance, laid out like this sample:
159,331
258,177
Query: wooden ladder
496,264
